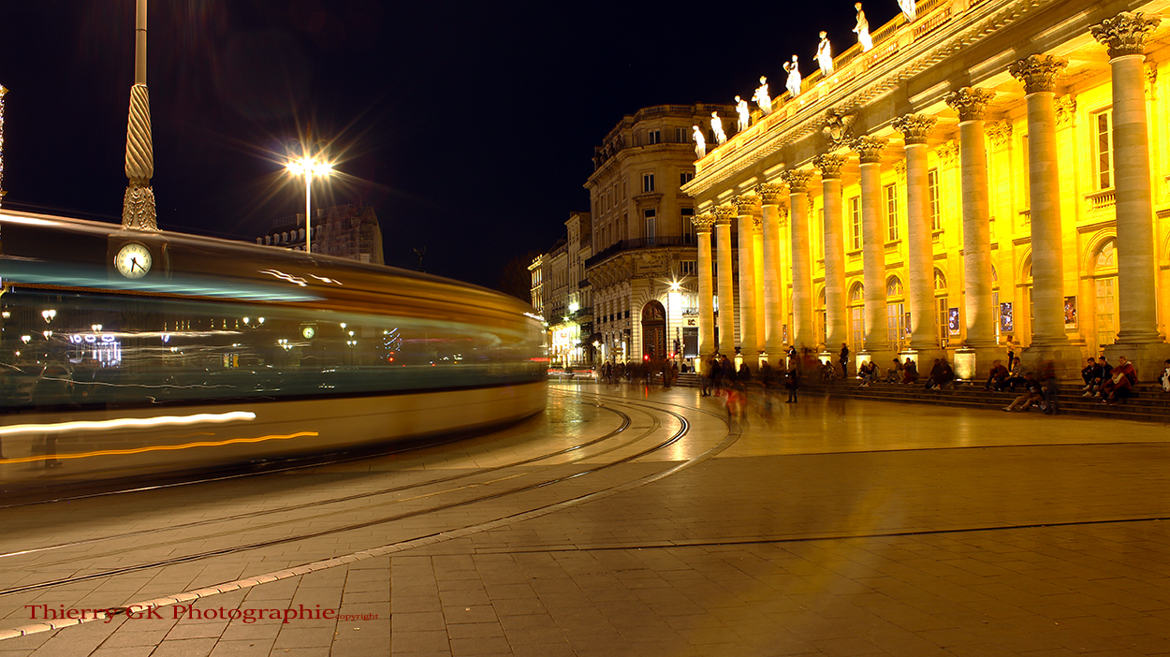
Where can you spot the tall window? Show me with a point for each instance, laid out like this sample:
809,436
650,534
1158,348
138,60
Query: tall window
891,192
855,223
944,328
688,227
688,267
685,177
650,220
932,191
654,137
647,182
857,315
896,321
680,135
1103,149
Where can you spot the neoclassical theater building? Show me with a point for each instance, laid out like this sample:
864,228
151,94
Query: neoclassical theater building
994,173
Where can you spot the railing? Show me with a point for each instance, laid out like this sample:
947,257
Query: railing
1101,200
888,40
637,244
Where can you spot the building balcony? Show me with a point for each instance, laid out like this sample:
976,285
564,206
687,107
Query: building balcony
637,245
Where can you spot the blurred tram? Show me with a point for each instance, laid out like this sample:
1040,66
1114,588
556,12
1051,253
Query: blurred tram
126,352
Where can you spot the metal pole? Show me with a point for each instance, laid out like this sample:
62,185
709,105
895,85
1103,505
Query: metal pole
308,211
138,206
2,92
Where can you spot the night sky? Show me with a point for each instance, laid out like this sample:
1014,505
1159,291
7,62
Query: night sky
469,127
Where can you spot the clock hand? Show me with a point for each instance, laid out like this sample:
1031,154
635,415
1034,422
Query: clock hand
134,263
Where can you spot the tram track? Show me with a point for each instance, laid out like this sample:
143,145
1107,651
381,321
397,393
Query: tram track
682,430
622,427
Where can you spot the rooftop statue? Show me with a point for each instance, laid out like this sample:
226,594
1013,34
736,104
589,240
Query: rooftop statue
825,55
700,143
862,29
717,128
793,83
762,97
909,10
745,118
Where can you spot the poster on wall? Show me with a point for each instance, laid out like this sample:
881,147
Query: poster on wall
953,321
1070,312
1006,324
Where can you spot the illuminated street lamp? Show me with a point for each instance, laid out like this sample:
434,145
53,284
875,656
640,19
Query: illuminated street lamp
309,167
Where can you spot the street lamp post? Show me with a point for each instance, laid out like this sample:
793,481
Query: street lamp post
674,287
2,92
138,207
309,167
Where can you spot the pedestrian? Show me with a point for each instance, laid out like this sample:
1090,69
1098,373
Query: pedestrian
792,382
844,360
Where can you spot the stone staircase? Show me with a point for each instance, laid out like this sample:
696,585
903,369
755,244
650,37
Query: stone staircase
1150,404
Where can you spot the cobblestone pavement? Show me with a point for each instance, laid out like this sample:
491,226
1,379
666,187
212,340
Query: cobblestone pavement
640,522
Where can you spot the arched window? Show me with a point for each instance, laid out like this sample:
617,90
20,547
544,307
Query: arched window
893,287
940,281
1105,282
857,294
857,315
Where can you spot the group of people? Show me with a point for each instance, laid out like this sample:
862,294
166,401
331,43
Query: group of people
721,377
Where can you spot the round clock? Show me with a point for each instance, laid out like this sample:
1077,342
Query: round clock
308,332
133,260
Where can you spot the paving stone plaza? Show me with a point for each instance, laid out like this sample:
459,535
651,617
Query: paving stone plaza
629,521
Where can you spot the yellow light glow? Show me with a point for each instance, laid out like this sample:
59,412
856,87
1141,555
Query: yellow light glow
128,423
158,448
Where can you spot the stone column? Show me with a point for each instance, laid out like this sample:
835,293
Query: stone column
920,247
1125,36
726,290
703,224
802,299
758,261
746,206
835,333
1038,73
978,302
772,195
873,257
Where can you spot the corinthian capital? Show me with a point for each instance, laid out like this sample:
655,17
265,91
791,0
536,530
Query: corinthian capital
746,204
914,127
969,102
1125,33
869,148
703,222
770,193
1037,72
724,214
797,180
829,164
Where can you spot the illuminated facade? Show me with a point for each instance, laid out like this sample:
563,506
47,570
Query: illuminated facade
642,270
994,170
346,231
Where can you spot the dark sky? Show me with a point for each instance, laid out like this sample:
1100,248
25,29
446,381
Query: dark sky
468,126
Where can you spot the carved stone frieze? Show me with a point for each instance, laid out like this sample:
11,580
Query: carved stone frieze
771,193
948,152
1037,72
868,148
1125,33
830,164
724,214
703,222
746,204
837,126
797,180
1066,110
1000,133
969,102
914,127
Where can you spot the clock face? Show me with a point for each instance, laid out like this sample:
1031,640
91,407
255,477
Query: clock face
308,332
133,260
